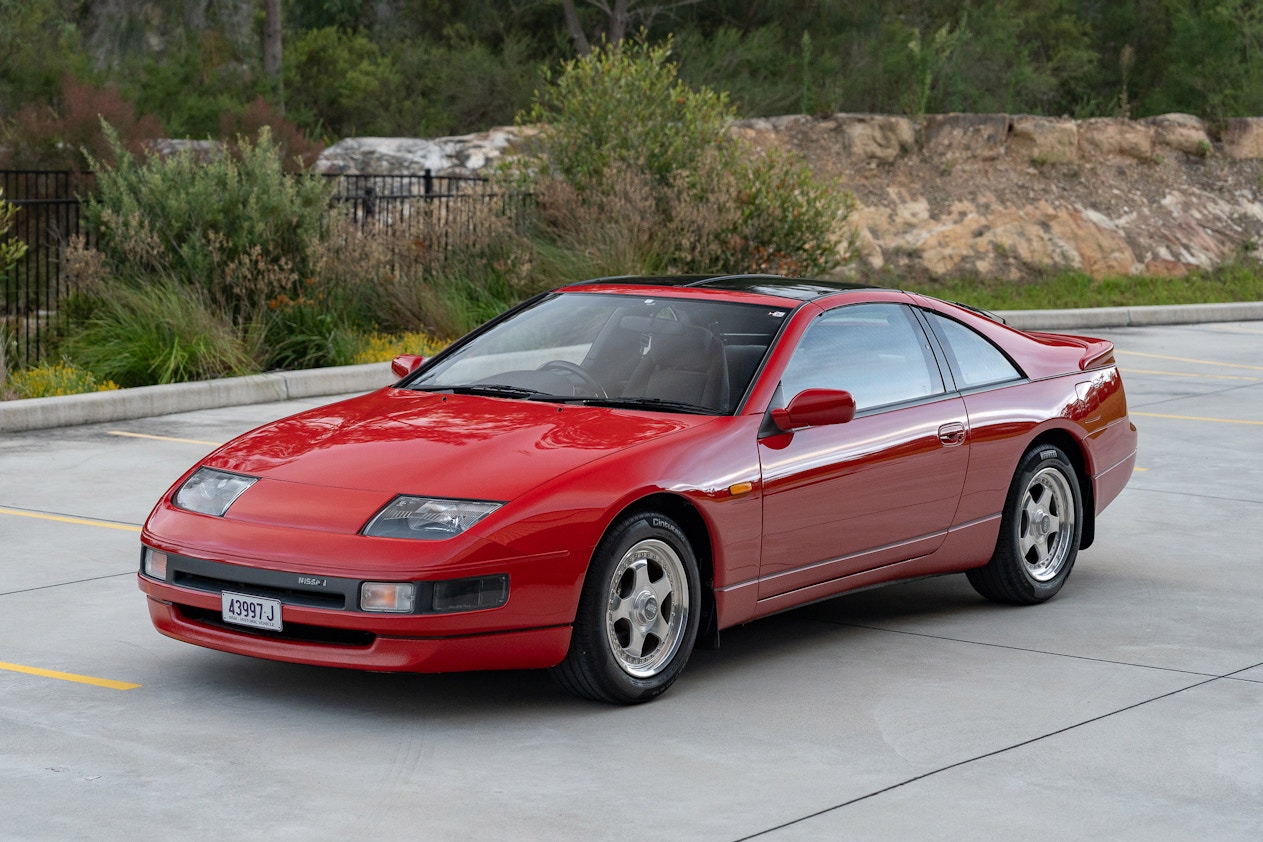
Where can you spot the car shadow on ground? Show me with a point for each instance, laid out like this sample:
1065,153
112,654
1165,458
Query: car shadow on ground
744,653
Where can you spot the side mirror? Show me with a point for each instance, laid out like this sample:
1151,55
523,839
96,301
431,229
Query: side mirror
405,364
815,408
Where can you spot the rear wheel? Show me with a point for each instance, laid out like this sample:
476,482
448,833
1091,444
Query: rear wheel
1040,531
637,618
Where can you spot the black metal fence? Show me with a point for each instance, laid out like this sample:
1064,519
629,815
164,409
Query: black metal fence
49,215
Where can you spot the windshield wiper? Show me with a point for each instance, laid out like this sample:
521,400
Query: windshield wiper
492,390
647,403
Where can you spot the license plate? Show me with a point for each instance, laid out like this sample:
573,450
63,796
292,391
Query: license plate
256,611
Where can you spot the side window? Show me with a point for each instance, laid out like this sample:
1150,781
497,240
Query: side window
976,360
877,352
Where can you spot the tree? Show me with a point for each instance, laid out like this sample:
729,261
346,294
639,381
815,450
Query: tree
272,40
617,19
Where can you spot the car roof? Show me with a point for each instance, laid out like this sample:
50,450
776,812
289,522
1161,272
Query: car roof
775,286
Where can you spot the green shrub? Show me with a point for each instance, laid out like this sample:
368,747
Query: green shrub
163,332
640,173
239,228
459,87
443,269
305,333
625,105
11,248
339,83
194,82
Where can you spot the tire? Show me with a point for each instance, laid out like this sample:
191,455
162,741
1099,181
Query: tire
1040,531
638,613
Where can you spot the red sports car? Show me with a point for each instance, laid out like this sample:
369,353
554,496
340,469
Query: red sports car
606,476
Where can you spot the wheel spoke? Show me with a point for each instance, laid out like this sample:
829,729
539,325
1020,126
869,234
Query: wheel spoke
620,609
636,644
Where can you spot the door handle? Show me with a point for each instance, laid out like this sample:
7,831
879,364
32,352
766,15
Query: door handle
951,435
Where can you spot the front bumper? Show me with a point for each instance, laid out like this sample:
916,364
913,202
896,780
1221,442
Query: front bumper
176,615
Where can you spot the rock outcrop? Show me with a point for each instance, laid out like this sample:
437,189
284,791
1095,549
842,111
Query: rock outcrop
993,194
461,155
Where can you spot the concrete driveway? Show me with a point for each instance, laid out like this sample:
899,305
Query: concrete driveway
1129,707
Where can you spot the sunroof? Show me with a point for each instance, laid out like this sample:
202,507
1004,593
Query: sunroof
800,289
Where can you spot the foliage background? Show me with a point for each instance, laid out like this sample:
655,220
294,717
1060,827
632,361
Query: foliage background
424,68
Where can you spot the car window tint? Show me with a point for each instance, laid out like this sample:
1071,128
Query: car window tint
701,350
976,361
877,352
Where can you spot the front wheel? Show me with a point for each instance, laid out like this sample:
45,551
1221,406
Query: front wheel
1039,531
638,613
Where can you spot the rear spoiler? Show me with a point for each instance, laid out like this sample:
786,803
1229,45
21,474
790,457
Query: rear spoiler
1094,353
1098,354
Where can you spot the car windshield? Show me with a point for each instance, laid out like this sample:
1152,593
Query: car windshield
662,353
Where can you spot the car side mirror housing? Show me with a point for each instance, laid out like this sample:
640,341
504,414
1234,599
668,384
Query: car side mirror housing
405,364
815,408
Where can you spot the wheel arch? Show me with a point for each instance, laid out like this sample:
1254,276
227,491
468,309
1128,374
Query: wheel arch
690,520
1075,451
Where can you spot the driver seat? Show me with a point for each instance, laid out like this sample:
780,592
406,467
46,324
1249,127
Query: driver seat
687,365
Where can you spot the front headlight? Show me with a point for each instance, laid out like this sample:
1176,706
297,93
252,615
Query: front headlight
211,492
427,518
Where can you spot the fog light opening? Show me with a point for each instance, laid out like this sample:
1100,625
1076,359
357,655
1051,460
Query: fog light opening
471,594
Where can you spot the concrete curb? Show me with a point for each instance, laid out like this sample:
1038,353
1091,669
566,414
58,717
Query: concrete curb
1104,317
146,401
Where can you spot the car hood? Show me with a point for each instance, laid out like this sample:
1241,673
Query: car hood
404,442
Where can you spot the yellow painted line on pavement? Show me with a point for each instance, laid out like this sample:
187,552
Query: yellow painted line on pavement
1140,470
1190,360
164,438
1130,370
70,676
82,521
1197,418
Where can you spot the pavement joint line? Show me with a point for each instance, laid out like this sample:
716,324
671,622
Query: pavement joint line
67,584
108,683
62,518
1026,649
162,438
985,756
1218,497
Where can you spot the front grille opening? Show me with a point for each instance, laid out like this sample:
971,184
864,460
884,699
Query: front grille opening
291,596
296,632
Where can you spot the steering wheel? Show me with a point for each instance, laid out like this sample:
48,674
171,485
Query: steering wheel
578,371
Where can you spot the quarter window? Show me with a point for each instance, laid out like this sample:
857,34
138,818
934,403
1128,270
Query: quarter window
977,362
877,352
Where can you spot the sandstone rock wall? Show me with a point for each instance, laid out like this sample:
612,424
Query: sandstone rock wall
993,194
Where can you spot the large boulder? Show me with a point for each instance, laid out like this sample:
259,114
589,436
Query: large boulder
1044,139
460,155
955,137
1243,138
1181,132
1111,137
